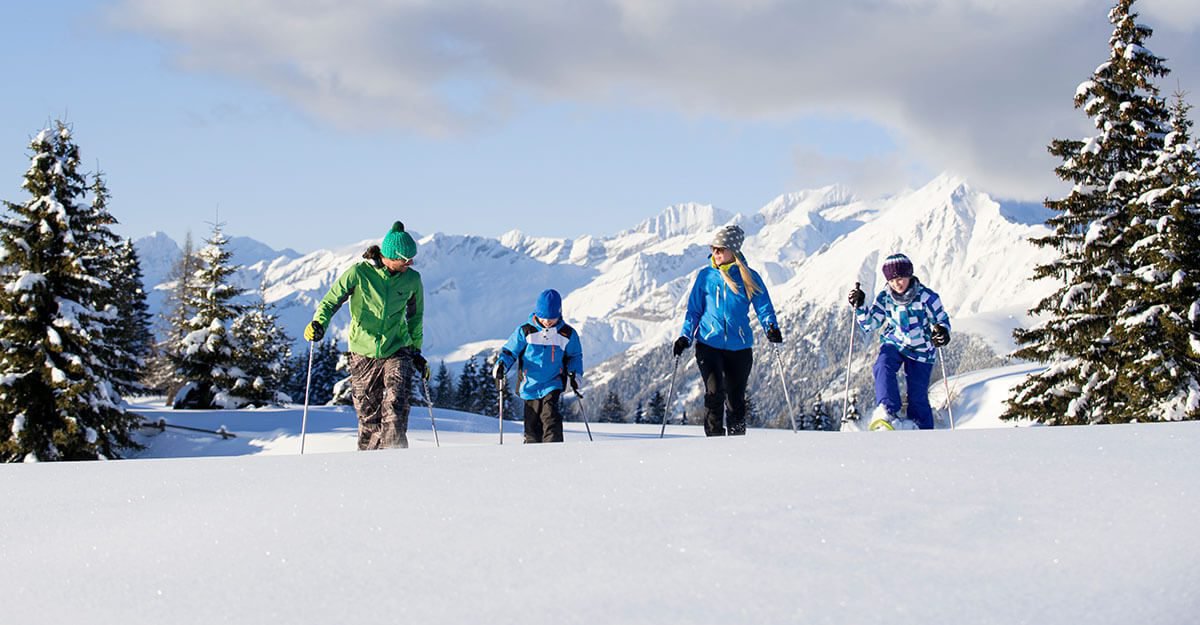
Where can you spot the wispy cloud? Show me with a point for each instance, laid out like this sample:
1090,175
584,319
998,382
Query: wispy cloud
974,86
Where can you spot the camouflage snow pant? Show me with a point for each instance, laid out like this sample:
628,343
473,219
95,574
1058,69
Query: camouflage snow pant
381,388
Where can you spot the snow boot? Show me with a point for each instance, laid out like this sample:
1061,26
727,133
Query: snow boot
882,419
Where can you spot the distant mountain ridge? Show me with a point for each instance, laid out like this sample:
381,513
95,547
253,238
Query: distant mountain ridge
626,292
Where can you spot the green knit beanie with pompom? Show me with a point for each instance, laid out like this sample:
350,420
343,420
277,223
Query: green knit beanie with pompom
398,244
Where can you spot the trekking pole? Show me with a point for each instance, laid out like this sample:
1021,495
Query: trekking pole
949,410
583,413
307,387
849,361
500,393
429,403
670,398
783,382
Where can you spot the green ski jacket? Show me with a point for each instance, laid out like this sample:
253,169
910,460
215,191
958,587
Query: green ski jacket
386,310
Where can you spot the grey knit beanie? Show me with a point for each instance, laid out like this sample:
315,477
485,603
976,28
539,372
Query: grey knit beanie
729,237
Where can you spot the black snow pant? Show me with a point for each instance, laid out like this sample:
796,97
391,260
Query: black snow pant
381,388
543,421
725,375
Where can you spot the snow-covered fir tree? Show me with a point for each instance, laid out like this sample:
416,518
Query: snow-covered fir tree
485,401
162,374
55,402
1091,236
133,334
612,410
657,407
127,336
264,354
465,391
817,417
443,387
1155,335
204,357
487,396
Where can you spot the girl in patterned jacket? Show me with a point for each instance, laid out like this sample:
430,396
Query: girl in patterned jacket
914,326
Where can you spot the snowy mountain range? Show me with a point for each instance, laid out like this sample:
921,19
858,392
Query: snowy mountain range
626,292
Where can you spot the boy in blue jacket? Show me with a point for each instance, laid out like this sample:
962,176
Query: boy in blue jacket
914,325
548,354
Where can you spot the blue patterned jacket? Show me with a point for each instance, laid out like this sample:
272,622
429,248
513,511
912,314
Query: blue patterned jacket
907,326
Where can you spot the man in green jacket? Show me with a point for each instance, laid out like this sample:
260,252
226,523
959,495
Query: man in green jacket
387,306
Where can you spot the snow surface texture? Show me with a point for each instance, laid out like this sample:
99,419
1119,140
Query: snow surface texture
1001,525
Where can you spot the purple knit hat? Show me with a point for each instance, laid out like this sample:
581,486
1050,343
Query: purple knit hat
897,266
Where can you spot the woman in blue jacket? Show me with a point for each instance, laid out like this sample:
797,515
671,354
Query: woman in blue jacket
718,320
548,354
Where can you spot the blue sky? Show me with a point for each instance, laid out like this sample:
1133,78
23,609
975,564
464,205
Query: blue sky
317,126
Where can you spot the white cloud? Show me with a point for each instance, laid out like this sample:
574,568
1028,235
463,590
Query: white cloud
974,86
869,177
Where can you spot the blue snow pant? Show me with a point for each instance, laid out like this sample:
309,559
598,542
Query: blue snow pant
887,387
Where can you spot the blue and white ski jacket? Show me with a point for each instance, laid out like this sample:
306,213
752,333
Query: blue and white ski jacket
544,357
907,326
720,318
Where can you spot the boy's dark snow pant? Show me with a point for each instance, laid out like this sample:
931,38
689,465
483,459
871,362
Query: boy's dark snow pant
725,375
887,388
381,388
543,421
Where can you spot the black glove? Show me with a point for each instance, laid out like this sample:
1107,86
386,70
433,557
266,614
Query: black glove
941,335
774,335
574,382
314,331
498,371
857,297
421,364
681,344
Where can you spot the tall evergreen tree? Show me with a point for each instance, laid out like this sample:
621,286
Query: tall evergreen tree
162,374
264,354
204,357
465,394
132,334
658,407
1090,235
612,411
487,397
55,403
1154,337
443,387
120,296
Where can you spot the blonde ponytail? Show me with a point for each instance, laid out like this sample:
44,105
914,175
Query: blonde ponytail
752,286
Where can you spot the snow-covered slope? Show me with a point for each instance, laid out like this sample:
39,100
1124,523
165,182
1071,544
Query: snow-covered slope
626,291
1002,525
